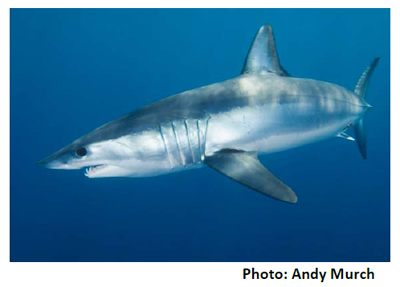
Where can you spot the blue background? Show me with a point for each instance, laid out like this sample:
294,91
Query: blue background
74,70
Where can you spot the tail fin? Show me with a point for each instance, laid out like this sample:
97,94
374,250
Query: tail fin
361,89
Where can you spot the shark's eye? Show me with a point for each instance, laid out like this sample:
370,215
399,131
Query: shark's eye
81,151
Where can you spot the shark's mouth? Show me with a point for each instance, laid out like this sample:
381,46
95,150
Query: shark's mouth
92,170
106,170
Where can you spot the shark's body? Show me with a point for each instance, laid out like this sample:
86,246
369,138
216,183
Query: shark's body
224,125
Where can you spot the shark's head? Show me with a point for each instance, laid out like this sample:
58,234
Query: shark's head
101,159
111,151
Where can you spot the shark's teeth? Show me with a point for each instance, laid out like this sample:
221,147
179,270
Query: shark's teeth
93,169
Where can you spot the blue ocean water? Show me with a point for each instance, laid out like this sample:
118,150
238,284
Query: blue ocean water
74,70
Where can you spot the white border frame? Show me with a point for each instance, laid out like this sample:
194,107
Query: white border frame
180,274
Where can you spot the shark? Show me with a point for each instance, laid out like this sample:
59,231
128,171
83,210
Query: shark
225,126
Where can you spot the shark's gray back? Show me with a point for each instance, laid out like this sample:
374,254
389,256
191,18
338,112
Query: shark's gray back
243,91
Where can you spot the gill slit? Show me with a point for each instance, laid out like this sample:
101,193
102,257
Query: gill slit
188,139
198,138
177,144
205,135
165,146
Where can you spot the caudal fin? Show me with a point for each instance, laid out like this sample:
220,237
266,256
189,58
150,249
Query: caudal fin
361,89
361,139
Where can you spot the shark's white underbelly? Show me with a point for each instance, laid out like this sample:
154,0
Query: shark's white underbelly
184,143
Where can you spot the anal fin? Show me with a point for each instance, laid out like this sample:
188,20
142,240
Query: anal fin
345,136
245,168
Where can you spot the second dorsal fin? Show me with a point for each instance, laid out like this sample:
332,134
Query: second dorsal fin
263,56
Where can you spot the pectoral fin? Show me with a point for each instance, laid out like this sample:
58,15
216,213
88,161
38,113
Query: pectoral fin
245,168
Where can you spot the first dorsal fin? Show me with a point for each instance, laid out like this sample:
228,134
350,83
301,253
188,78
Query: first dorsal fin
263,56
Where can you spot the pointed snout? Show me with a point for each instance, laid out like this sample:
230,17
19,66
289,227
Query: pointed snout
41,162
56,160
48,162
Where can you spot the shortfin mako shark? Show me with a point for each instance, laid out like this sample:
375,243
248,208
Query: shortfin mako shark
225,125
